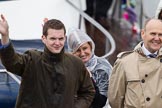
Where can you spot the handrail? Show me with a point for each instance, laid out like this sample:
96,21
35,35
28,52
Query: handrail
96,24
12,75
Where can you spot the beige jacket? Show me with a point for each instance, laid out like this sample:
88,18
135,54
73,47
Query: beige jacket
136,81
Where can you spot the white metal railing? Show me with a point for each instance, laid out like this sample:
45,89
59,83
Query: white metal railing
96,24
11,75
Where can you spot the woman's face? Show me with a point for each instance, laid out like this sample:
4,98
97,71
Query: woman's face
84,52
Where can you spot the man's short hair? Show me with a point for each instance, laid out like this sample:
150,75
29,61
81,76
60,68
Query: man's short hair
53,24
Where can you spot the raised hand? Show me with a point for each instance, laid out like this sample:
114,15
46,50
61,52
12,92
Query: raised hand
4,30
4,26
44,21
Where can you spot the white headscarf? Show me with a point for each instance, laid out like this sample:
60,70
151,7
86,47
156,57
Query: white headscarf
75,39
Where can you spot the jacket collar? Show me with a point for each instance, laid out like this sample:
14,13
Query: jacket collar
48,55
139,50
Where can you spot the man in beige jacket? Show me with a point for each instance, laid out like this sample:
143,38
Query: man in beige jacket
136,79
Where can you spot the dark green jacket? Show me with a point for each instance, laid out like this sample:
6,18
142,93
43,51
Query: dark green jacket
49,80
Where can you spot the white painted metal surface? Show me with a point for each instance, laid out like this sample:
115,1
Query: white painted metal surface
25,17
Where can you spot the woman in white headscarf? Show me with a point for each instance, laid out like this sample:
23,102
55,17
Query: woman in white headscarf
82,46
